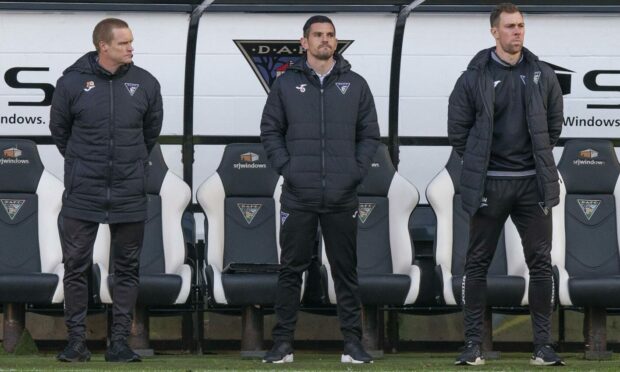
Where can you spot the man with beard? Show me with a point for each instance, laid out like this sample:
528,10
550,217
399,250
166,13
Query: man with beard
504,118
319,129
105,118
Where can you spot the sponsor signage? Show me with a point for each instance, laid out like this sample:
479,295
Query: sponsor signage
588,157
12,156
249,160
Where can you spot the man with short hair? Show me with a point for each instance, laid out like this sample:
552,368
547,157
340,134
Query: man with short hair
505,116
105,118
319,129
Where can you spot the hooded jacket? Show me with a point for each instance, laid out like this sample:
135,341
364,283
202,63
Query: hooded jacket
470,125
105,125
321,138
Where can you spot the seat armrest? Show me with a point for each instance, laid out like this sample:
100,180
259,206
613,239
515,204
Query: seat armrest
562,286
415,275
185,272
59,293
446,289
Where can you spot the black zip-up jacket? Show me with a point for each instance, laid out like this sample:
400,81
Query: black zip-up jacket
320,138
105,125
470,125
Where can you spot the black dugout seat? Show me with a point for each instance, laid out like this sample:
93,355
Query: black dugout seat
31,269
242,204
165,277
508,275
586,234
387,274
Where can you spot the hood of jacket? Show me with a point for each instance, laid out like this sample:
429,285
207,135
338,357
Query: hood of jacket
88,64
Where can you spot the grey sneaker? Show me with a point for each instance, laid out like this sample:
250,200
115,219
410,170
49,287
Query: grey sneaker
471,356
75,351
120,352
544,355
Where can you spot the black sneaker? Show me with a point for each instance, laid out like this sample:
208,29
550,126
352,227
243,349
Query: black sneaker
471,356
544,355
119,351
281,352
354,353
75,351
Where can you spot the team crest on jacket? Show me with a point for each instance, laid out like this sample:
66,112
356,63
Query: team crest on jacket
89,85
536,77
343,87
270,58
131,88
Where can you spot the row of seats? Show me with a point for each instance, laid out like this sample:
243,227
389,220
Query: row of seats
31,269
241,203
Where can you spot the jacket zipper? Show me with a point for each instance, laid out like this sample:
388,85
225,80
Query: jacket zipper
110,152
491,120
323,185
528,99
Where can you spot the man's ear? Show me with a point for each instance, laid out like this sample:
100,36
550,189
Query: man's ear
494,32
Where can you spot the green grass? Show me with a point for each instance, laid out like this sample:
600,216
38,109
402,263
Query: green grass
304,361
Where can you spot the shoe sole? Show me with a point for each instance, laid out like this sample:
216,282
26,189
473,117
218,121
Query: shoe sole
287,359
477,362
76,360
114,360
540,362
349,359
123,360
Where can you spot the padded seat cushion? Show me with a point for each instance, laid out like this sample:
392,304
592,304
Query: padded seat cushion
383,289
35,288
159,289
502,291
250,289
598,292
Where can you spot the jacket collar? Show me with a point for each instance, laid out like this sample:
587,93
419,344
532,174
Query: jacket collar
88,64
481,59
341,66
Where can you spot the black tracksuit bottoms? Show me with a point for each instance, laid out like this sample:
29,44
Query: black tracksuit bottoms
78,238
518,198
297,236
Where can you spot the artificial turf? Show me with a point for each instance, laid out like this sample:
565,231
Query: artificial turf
304,361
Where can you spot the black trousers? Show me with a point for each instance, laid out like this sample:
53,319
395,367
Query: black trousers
297,235
78,238
519,199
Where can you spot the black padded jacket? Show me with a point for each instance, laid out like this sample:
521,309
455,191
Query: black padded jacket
321,138
105,125
470,125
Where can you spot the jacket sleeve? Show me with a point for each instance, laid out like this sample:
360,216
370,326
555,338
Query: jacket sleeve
151,125
461,115
367,131
273,127
555,109
61,119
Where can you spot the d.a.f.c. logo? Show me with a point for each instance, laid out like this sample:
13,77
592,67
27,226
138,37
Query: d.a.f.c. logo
270,58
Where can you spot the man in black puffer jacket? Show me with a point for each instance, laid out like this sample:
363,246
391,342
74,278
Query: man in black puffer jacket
319,129
504,117
105,118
